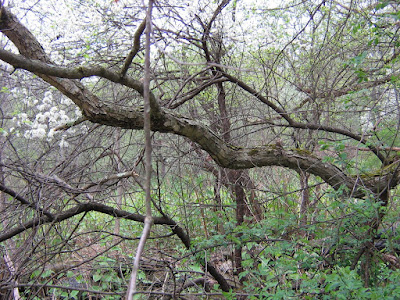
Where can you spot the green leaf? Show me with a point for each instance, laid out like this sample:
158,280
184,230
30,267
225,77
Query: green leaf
35,273
4,89
196,268
46,273
64,294
70,274
97,277
73,294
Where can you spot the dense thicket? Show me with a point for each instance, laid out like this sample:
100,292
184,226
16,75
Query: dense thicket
275,136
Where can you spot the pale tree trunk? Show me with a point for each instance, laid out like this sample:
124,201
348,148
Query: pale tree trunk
10,244
148,149
218,201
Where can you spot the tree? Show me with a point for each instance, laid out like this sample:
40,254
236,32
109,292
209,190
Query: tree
318,97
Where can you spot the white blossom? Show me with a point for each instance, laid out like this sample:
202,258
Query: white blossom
42,107
48,98
78,112
53,110
50,134
63,143
64,119
40,118
38,133
23,117
66,101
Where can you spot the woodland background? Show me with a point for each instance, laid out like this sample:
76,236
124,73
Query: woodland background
258,139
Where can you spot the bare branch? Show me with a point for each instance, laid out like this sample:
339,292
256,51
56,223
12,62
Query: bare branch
23,201
71,124
292,123
78,209
135,48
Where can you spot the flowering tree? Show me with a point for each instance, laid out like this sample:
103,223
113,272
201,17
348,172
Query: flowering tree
234,87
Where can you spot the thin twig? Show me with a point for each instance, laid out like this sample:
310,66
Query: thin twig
70,124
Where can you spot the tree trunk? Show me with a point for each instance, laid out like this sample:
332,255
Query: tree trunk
305,198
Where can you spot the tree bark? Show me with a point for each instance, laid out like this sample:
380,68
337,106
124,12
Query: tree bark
305,197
